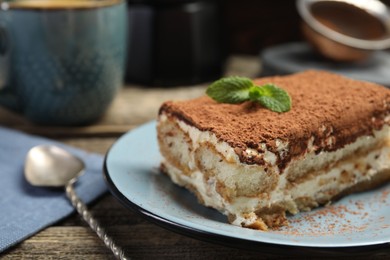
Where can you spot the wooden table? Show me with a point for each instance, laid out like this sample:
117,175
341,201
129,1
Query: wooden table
72,238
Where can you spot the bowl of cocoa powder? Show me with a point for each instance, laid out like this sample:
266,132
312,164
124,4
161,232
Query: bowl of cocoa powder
345,30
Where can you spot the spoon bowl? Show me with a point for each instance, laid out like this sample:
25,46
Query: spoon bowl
52,166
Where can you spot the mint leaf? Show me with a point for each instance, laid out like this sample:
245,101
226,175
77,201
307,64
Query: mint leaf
230,90
239,89
271,97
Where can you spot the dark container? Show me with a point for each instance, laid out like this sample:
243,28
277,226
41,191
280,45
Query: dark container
174,42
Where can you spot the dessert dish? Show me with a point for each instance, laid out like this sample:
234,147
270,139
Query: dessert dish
257,166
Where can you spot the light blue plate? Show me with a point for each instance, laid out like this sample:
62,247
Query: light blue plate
131,172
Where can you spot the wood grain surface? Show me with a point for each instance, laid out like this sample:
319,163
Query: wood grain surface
73,239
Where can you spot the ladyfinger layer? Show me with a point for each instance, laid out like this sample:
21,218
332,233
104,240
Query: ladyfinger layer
255,165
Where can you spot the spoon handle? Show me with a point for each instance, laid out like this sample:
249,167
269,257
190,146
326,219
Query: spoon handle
92,222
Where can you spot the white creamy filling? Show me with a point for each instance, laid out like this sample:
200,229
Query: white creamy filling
316,187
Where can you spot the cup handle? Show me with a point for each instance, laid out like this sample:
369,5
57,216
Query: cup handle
4,56
3,41
8,98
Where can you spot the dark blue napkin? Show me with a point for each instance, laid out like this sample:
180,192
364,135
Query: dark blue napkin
24,209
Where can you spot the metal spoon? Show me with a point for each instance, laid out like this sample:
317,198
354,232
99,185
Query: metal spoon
51,166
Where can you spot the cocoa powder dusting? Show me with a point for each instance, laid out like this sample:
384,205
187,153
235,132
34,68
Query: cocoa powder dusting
324,105
355,216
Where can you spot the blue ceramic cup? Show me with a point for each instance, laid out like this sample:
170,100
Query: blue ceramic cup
61,62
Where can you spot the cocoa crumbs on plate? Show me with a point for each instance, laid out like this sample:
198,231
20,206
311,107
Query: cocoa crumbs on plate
334,219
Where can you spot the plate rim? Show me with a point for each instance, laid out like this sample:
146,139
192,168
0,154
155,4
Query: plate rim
221,239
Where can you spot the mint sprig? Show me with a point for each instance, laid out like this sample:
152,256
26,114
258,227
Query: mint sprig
235,90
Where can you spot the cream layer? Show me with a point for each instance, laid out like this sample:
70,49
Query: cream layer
213,170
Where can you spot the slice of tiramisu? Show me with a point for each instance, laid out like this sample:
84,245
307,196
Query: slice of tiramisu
255,165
